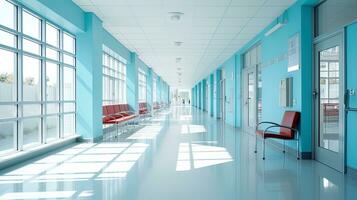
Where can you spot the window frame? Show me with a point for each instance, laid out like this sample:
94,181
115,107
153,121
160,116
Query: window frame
18,103
114,75
142,85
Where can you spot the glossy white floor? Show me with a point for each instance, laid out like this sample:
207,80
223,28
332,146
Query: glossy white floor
181,154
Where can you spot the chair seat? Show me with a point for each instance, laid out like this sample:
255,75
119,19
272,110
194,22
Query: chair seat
273,135
143,111
129,117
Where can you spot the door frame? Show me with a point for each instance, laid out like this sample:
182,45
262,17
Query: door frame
222,99
336,37
245,118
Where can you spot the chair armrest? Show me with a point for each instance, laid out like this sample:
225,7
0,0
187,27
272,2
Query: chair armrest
280,126
266,122
116,114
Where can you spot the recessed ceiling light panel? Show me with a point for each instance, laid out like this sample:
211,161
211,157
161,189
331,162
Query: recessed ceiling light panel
176,16
178,43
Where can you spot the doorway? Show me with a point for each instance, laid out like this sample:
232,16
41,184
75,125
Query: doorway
329,95
223,99
207,103
250,97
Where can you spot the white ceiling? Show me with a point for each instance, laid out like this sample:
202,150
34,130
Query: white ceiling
211,31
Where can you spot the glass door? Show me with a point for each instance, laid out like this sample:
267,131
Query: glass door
250,109
329,102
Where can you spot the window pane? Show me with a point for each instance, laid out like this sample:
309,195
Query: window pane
68,84
31,110
52,54
69,60
52,35
7,111
69,43
52,108
69,107
8,39
68,125
31,25
31,47
7,14
327,19
7,130
31,79
32,130
7,76
52,128
52,86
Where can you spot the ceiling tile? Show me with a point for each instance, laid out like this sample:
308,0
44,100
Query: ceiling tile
211,30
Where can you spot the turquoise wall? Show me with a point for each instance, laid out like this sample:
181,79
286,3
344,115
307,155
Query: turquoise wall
203,92
149,86
217,79
237,90
351,62
211,96
132,94
89,80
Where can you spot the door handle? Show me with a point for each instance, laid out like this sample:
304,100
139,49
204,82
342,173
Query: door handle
315,94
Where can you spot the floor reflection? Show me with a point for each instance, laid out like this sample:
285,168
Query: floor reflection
181,153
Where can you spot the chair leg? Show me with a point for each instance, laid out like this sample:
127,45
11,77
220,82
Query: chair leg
256,141
284,147
263,149
298,150
117,125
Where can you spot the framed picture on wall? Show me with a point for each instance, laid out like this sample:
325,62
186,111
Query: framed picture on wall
294,53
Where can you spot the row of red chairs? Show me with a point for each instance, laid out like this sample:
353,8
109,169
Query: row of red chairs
117,114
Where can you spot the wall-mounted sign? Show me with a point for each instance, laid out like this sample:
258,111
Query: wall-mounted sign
293,53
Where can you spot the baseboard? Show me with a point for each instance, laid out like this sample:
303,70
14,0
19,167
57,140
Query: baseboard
90,140
352,172
306,155
22,156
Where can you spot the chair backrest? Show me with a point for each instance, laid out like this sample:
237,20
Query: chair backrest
110,110
105,112
116,108
142,105
291,119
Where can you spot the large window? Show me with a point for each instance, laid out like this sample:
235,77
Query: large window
142,85
154,89
114,77
37,98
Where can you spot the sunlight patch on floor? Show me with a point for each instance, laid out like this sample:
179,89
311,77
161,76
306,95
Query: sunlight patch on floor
192,129
195,156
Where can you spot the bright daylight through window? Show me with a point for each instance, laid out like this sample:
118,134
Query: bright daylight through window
37,81
142,85
114,77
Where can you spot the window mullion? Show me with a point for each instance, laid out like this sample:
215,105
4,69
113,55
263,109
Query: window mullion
19,135
44,84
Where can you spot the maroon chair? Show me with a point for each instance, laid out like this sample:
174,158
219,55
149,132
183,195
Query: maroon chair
143,110
288,130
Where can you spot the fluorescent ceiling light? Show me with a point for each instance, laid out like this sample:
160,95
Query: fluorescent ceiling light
275,28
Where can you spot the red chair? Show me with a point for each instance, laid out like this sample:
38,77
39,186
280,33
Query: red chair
288,130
